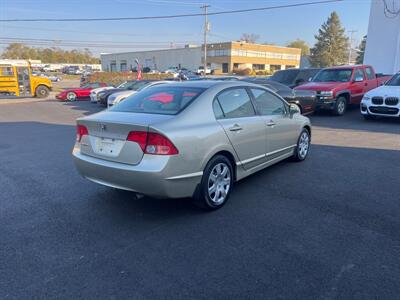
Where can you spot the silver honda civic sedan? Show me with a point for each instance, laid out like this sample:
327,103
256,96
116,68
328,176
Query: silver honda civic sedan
190,139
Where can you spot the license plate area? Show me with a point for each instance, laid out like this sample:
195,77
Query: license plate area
107,146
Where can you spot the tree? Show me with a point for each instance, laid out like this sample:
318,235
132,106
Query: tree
249,37
361,49
49,55
305,49
331,47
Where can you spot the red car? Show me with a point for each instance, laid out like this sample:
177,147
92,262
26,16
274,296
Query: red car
338,87
80,93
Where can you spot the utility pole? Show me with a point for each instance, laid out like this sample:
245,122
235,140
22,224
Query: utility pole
206,29
351,43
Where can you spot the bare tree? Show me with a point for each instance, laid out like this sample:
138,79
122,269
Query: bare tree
249,37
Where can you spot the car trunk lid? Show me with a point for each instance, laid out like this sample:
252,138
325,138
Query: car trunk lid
108,132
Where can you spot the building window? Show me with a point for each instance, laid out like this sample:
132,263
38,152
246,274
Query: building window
258,67
290,67
123,66
274,68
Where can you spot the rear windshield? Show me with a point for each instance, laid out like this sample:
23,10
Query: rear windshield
287,76
165,100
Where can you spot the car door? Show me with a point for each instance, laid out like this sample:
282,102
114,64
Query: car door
371,81
245,129
280,128
357,86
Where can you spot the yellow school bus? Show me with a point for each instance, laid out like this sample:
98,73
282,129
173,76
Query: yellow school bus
16,79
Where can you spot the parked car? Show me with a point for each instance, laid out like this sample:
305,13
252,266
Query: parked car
304,100
72,70
81,93
133,85
190,139
383,101
94,93
338,87
294,77
200,71
118,97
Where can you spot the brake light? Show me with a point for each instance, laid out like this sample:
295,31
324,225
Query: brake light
80,132
153,143
139,137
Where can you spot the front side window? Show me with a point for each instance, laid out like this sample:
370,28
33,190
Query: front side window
163,99
267,103
359,74
236,103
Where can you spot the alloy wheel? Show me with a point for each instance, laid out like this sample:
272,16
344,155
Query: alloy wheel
219,183
304,144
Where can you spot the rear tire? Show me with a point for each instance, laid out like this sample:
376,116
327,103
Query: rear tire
216,184
340,106
42,91
303,146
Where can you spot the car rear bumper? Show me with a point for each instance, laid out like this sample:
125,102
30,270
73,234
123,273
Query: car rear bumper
151,177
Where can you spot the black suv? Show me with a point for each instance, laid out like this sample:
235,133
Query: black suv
294,77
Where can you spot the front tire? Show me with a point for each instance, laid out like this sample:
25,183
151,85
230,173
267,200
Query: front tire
303,146
216,184
71,96
340,106
42,91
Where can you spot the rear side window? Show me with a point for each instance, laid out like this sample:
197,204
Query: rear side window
370,74
267,103
163,99
6,71
236,103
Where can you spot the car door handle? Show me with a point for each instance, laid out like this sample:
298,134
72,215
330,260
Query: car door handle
271,123
235,127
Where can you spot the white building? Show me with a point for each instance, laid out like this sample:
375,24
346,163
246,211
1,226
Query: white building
188,57
383,41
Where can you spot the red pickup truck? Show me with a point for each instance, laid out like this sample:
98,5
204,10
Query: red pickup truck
338,87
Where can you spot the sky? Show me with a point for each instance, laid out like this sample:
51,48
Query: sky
278,26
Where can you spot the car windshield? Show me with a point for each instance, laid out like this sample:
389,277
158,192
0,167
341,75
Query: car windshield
85,86
164,99
333,75
394,81
286,77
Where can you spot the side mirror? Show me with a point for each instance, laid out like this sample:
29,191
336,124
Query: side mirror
294,109
299,81
358,79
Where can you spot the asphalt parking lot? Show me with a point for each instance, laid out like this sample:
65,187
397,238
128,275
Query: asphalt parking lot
327,228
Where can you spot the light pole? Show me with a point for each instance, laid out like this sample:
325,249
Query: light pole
206,28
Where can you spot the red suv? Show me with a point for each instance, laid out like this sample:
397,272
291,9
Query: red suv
338,87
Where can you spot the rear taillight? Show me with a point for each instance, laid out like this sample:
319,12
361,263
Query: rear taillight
80,132
153,143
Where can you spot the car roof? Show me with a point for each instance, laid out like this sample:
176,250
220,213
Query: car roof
206,84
